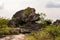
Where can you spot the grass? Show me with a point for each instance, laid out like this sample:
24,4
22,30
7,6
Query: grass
51,32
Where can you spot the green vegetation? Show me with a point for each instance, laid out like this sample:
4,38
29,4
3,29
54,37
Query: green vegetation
30,22
51,32
4,29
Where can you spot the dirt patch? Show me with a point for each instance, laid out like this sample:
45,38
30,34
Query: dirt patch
14,37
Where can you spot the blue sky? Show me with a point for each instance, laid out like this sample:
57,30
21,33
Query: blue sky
50,7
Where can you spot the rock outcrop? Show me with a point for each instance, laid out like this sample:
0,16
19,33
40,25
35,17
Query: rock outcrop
57,22
26,18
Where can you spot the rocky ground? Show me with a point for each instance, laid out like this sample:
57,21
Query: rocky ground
14,37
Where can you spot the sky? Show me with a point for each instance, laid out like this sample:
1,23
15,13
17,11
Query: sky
50,7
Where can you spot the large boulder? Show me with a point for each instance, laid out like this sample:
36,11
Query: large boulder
26,17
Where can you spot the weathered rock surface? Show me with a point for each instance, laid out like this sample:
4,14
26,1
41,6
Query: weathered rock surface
57,22
14,37
26,18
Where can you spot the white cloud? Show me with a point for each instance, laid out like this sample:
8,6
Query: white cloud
1,4
53,4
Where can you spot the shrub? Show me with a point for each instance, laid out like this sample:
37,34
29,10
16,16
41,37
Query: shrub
50,32
3,21
7,31
4,29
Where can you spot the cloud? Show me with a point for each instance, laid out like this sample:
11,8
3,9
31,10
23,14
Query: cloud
1,5
53,5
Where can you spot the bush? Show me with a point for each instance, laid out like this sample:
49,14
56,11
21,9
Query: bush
51,32
3,21
4,29
7,31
